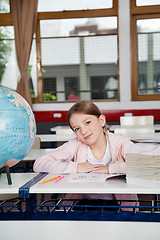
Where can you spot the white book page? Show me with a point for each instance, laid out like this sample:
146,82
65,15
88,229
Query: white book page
90,177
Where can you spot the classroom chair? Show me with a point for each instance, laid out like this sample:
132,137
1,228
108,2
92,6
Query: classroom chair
136,125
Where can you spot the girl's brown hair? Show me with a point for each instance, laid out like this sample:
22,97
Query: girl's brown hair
85,107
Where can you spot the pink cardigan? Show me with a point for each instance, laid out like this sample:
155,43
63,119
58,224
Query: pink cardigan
65,158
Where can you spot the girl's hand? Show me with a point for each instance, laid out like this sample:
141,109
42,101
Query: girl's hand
102,169
87,167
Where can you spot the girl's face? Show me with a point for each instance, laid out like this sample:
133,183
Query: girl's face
88,128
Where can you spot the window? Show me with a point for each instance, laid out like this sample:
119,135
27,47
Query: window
145,35
74,50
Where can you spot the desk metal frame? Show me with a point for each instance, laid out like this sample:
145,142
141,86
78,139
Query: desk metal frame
54,209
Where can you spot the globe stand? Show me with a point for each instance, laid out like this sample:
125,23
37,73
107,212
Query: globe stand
8,175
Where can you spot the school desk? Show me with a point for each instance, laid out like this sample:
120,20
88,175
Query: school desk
26,165
28,185
18,179
151,138
54,138
114,185
36,153
50,220
65,133
113,127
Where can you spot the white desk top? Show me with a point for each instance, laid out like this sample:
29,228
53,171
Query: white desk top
64,133
140,137
67,129
63,186
64,138
113,127
151,138
110,186
54,137
18,179
36,153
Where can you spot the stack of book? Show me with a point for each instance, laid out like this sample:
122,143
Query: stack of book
143,164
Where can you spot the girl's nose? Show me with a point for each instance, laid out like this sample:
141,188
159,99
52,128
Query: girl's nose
83,130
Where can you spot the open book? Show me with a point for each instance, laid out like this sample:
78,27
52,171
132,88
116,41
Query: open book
91,177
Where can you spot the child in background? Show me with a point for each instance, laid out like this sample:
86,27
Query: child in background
95,150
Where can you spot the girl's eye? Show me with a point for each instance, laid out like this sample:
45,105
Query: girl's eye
88,122
76,129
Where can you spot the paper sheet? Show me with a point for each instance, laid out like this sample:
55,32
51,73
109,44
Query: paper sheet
90,177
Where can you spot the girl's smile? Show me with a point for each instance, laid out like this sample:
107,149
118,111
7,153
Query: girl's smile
87,137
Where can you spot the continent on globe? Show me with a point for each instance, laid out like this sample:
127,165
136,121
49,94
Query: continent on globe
17,127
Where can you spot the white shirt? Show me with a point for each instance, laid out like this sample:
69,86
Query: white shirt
106,158
105,161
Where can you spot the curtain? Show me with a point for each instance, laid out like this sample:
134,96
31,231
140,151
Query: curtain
24,17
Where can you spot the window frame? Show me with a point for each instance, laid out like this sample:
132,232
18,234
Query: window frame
138,13
68,15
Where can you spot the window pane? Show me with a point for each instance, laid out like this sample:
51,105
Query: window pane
147,3
84,26
4,6
48,84
149,56
61,5
9,72
72,85
103,83
32,70
85,50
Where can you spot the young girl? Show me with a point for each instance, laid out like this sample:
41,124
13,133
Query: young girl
95,150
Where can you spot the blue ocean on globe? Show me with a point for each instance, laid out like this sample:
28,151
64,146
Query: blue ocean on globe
17,127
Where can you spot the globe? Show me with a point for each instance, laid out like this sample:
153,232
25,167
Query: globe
17,127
